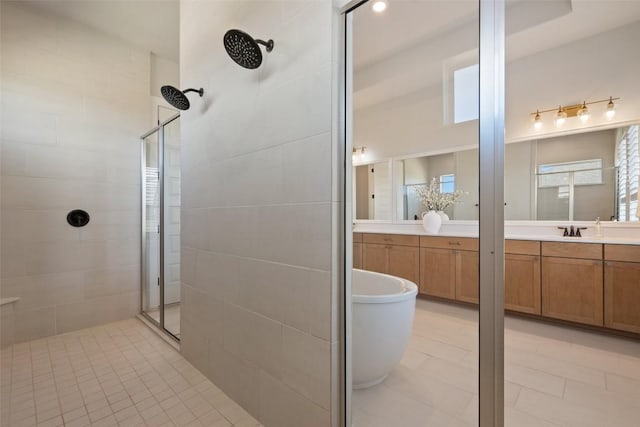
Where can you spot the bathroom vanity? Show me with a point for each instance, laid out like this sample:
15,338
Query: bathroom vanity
593,282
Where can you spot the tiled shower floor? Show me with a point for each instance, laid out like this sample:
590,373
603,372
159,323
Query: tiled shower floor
555,376
120,374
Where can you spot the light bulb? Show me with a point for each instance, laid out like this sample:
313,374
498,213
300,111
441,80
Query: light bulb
611,109
561,116
537,121
583,113
362,153
379,6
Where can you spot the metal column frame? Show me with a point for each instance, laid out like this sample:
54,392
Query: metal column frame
491,153
161,221
160,132
344,127
492,78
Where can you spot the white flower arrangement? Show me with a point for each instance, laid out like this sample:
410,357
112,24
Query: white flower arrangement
433,199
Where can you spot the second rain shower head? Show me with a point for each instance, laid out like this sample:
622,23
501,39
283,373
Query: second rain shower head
244,49
177,97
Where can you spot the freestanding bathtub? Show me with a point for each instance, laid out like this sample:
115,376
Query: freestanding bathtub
382,318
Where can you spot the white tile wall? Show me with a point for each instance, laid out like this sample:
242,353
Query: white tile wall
74,102
257,209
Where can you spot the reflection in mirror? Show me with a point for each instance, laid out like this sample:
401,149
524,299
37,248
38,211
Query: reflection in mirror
451,171
577,177
372,190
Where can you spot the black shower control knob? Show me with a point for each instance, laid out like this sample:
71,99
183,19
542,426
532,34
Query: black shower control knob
78,218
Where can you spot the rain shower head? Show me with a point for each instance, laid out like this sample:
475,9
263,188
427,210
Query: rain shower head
244,49
177,97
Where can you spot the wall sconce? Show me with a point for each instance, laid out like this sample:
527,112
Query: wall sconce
581,111
355,151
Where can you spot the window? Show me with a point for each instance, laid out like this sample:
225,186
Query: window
466,94
585,172
447,183
628,163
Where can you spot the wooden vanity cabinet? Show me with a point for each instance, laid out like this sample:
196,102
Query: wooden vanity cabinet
522,276
622,287
468,276
449,267
438,272
395,254
572,282
357,250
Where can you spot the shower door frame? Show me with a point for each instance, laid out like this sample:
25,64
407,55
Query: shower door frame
161,229
491,40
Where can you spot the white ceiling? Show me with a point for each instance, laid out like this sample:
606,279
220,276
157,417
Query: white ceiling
406,48
153,25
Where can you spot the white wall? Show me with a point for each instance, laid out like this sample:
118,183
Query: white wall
257,209
74,103
163,72
588,69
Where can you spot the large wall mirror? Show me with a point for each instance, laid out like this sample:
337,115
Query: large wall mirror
571,120
581,177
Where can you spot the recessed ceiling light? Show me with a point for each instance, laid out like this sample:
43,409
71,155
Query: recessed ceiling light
379,6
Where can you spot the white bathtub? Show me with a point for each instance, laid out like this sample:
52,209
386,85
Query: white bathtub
382,318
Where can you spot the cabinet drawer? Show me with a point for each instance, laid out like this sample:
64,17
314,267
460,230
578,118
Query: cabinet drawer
463,243
522,247
572,250
357,237
628,253
391,239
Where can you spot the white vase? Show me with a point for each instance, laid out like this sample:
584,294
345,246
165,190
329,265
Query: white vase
431,222
443,215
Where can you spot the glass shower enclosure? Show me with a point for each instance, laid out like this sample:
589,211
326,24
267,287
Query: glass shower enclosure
160,208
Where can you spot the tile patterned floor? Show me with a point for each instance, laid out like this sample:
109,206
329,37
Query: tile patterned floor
120,374
555,376
123,374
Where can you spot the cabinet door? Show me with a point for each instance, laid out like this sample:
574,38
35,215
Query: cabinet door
357,255
374,257
522,283
572,290
404,261
467,264
438,272
622,295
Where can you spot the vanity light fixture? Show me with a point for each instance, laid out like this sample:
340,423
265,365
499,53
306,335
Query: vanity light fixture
561,116
537,120
611,108
354,153
379,6
582,111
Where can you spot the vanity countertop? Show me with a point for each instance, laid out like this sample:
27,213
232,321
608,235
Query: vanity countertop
511,233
